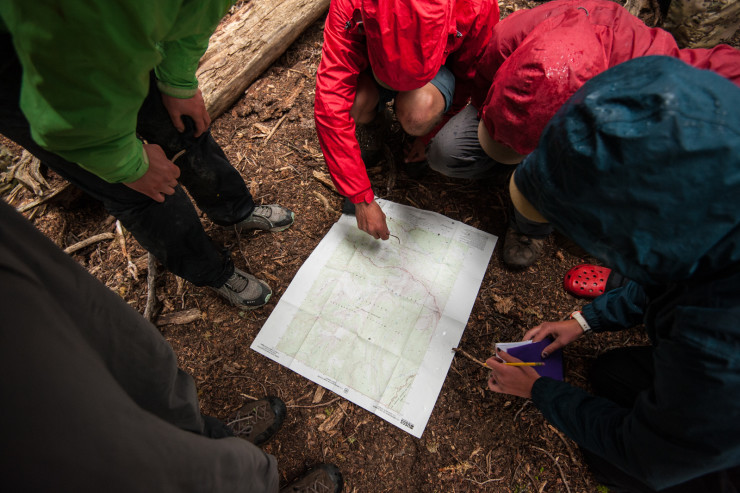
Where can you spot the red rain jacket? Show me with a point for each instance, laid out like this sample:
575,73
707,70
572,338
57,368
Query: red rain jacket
538,58
406,41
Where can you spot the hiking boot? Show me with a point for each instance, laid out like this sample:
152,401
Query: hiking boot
258,421
267,218
520,250
371,137
244,290
324,478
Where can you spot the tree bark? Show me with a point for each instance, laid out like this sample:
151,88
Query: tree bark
247,43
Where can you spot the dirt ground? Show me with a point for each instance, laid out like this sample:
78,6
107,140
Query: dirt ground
475,440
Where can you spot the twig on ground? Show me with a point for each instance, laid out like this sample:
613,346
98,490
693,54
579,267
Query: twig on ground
471,358
316,405
151,297
43,200
481,483
531,478
89,241
272,132
526,403
122,241
565,442
562,474
325,180
304,74
325,201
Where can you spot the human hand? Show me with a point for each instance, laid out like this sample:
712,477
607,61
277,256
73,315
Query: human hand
371,219
193,107
514,380
161,177
416,152
563,332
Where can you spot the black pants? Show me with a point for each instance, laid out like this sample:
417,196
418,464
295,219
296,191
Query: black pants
620,375
171,230
92,397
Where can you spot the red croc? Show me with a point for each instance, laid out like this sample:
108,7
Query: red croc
586,280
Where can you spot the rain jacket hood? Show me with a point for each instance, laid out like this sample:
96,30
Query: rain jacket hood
522,94
406,39
641,167
551,64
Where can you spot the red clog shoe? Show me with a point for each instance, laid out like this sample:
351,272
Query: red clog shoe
586,280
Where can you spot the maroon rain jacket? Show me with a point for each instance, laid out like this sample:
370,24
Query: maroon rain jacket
538,58
405,42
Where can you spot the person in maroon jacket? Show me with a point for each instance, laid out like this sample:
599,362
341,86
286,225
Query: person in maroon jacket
420,53
535,60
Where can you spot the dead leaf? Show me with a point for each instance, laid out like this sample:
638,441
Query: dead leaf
503,305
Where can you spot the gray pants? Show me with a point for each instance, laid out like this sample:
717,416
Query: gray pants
92,397
456,152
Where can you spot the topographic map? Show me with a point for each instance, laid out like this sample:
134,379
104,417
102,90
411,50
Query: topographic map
376,321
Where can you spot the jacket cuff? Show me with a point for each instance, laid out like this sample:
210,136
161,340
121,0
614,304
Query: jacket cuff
365,196
589,313
176,92
543,391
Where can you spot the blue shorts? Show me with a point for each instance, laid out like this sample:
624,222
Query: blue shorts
444,81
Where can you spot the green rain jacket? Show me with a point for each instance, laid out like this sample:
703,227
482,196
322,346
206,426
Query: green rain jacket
86,66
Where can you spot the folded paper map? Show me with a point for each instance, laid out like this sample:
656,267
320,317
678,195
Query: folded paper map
375,321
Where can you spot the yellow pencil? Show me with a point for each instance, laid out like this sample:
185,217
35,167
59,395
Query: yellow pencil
525,364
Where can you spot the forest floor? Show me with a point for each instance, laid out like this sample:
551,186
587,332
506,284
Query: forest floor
475,440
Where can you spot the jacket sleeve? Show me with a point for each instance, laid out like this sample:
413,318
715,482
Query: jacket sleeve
722,59
343,58
681,427
181,53
618,309
176,73
476,20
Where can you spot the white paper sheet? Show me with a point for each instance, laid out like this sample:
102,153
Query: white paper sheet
375,321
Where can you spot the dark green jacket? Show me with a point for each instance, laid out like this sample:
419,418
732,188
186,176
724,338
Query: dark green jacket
642,169
86,66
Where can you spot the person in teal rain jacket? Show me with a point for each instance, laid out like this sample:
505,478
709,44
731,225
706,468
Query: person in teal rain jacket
105,94
641,168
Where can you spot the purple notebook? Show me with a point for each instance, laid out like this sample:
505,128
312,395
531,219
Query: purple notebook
530,352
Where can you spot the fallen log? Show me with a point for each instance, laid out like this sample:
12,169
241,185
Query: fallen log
247,43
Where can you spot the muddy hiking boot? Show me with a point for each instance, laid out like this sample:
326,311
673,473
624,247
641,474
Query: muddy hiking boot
324,478
372,138
259,420
244,290
520,250
271,217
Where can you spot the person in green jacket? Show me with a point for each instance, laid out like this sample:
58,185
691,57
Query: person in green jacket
105,94
641,168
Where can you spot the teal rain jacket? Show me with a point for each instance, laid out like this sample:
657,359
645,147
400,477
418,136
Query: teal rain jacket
86,66
641,167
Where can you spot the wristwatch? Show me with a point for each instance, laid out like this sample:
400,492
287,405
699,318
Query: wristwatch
578,317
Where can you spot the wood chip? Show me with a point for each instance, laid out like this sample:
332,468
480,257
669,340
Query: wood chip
179,318
319,394
335,417
325,180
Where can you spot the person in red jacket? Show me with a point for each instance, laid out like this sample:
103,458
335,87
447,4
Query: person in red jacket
420,53
535,60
